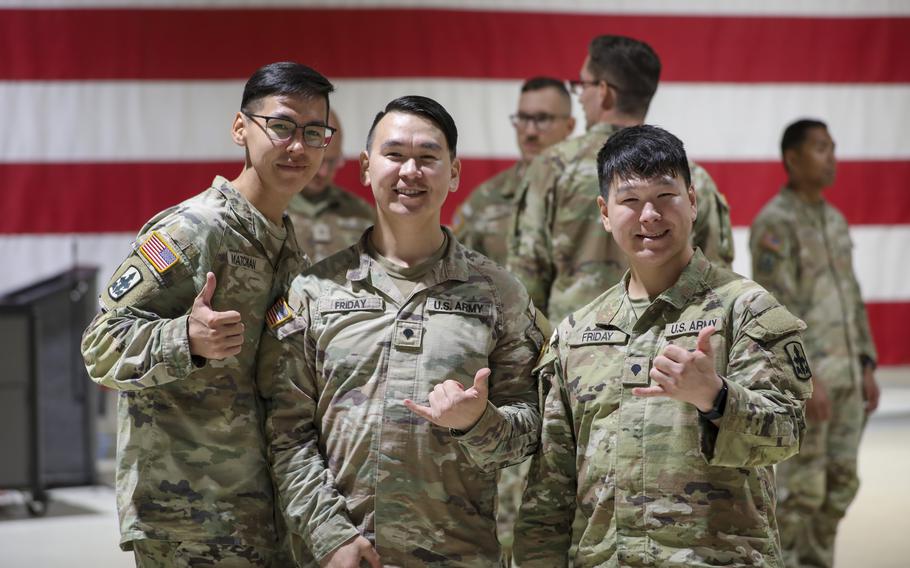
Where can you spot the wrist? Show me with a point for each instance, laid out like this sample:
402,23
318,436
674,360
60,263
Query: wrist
718,405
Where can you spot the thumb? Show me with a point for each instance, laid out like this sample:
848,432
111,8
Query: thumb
704,340
482,382
208,290
372,557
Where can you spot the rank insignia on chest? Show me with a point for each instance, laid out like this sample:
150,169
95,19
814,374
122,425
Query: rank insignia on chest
127,281
637,371
160,254
279,313
798,360
322,233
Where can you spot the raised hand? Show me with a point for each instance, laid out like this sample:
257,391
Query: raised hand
453,406
686,375
213,335
350,554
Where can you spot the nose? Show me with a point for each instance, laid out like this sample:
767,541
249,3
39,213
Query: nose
649,213
408,169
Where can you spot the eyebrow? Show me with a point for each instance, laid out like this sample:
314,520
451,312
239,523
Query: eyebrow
398,143
625,185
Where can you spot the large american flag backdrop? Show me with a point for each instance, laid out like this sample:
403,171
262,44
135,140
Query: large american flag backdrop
111,110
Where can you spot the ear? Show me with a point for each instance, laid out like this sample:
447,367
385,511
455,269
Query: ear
607,96
604,214
789,160
238,130
456,175
364,168
570,124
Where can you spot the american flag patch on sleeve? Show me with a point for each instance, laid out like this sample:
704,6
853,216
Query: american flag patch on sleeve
158,252
279,313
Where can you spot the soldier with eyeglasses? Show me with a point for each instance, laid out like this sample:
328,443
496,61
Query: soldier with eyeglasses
557,248
178,335
544,117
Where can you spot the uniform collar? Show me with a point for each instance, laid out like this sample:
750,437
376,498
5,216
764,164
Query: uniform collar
514,175
453,266
254,223
311,206
691,282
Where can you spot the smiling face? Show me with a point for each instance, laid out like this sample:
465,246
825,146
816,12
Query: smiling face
650,219
409,168
282,167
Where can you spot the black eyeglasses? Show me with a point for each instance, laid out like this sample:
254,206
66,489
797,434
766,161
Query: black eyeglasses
541,121
578,85
283,129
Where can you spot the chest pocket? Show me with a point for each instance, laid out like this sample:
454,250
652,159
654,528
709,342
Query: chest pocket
684,333
459,332
595,366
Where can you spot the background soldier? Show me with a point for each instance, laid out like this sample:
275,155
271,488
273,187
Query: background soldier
670,396
483,221
326,217
558,250
802,252
363,470
178,334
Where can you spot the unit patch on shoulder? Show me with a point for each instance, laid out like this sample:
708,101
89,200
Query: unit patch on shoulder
127,281
158,252
798,360
279,313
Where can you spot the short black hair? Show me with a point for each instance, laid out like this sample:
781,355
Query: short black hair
795,134
285,78
643,152
541,82
631,66
424,107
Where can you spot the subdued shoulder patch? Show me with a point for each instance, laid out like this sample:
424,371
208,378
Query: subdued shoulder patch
279,313
798,360
159,251
130,278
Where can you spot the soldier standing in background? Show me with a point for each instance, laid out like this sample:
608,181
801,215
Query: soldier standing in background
326,217
483,221
669,398
802,252
178,334
557,248
365,474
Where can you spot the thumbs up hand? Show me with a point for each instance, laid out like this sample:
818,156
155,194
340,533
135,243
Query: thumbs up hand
686,375
453,406
213,335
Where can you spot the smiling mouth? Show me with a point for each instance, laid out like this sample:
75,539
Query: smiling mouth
653,236
409,192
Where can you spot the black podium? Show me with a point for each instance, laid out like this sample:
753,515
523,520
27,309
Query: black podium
48,405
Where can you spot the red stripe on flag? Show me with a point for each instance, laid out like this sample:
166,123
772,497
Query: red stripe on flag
112,197
50,44
889,323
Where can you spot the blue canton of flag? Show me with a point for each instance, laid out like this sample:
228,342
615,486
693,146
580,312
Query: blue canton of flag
156,250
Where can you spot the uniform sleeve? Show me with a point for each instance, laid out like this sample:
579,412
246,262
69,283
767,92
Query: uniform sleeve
866,345
543,533
530,255
768,380
140,339
712,231
462,221
775,263
509,430
286,379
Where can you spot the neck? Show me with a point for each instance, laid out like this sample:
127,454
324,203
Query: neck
270,203
807,193
649,281
408,244
618,119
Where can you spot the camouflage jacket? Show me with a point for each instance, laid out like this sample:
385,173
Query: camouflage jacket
559,248
348,457
802,253
712,231
482,222
191,459
329,222
657,484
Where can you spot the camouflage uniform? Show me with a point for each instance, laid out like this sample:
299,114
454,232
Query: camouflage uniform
559,249
712,231
657,484
802,253
482,222
191,456
329,222
348,456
